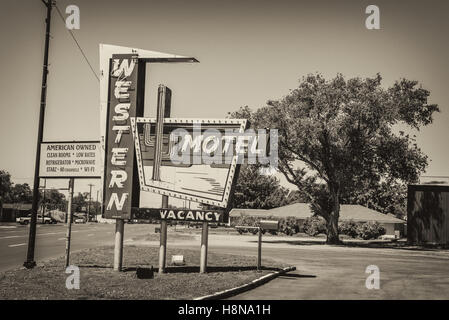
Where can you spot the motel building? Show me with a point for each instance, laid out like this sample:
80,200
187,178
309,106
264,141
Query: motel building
348,212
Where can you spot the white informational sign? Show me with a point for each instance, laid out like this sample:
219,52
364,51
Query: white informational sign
70,160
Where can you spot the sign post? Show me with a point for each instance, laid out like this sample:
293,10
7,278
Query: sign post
163,240
118,244
259,250
69,222
163,111
264,225
204,240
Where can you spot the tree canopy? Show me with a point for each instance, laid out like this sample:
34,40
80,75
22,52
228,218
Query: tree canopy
13,193
255,190
337,136
5,186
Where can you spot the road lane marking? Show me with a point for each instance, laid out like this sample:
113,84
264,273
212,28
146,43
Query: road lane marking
17,245
48,234
38,234
61,238
10,237
90,235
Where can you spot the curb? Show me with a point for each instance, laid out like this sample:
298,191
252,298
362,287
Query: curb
253,284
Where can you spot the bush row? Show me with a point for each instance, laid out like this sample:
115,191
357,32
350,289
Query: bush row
366,231
312,226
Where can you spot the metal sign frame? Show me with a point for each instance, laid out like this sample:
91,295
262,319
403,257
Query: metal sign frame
159,187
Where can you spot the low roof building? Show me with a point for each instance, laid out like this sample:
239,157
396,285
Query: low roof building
302,211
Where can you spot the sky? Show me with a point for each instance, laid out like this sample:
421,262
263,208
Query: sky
249,52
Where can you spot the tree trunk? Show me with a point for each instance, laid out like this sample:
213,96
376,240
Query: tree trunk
332,230
332,221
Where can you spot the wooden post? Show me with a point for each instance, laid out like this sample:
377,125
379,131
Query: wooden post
118,246
204,244
69,223
259,251
163,111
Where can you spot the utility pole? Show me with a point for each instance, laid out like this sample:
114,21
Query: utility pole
90,201
30,263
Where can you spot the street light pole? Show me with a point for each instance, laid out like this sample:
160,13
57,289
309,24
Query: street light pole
30,263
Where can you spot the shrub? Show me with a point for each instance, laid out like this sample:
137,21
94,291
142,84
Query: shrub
314,225
247,221
289,225
349,228
370,230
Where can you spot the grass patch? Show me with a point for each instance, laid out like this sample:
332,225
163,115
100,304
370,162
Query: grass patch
99,281
156,237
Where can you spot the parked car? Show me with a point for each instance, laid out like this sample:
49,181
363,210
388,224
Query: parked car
26,220
79,220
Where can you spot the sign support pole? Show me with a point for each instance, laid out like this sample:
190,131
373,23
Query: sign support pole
43,201
69,222
204,244
259,251
118,245
163,111
30,263
163,239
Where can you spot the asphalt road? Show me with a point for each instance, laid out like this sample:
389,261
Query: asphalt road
323,272
338,272
51,240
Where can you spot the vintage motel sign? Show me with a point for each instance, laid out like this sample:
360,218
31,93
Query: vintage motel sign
197,178
119,164
122,84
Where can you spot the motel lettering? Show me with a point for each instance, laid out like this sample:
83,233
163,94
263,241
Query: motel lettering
180,214
119,142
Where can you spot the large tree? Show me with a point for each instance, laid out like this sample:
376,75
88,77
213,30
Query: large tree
80,201
21,193
53,200
255,190
338,135
5,186
386,197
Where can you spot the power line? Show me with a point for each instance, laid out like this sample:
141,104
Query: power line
77,43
